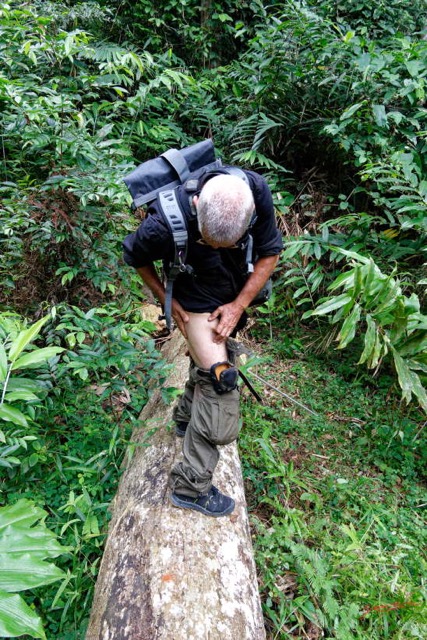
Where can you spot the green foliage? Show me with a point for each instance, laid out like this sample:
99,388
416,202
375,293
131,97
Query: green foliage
394,323
79,424
206,33
327,100
24,547
73,110
339,530
377,20
401,174
382,129
19,392
317,97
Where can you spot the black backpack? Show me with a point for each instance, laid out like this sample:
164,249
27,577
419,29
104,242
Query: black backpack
158,178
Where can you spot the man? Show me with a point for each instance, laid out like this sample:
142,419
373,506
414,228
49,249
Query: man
208,306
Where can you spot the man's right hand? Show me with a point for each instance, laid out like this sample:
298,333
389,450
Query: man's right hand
180,316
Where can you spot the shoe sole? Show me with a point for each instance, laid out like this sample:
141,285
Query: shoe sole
179,433
196,507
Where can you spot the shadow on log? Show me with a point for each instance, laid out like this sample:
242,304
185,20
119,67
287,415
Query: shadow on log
168,573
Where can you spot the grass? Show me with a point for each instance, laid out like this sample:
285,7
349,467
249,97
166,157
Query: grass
337,502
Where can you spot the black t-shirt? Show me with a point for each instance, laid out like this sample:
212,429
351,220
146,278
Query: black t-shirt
218,274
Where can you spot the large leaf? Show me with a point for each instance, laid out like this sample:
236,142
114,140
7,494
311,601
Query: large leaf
39,355
331,304
19,572
414,344
10,414
23,512
25,337
409,381
380,114
379,351
23,549
17,618
350,254
17,383
27,396
38,541
370,336
344,279
348,113
348,329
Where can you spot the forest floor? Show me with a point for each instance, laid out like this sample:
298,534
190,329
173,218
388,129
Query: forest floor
337,500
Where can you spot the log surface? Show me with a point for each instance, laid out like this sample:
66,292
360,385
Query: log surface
169,573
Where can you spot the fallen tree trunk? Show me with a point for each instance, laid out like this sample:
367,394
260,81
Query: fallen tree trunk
168,573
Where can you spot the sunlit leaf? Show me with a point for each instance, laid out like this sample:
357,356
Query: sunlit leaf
35,357
348,113
17,618
409,381
22,512
11,414
348,329
26,396
380,114
332,304
25,337
369,340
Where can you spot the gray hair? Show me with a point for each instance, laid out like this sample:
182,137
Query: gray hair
224,210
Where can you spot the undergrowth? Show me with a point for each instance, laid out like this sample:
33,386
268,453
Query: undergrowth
78,430
337,500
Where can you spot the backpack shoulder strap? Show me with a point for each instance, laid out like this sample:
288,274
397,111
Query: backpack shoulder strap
175,219
236,171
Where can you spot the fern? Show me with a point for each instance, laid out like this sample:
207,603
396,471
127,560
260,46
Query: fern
317,574
313,568
250,137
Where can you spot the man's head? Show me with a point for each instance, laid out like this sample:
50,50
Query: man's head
224,210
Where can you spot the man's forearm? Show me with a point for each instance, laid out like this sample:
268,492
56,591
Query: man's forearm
153,282
263,269
150,277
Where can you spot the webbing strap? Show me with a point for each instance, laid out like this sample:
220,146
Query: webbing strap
239,173
168,304
176,222
250,387
178,162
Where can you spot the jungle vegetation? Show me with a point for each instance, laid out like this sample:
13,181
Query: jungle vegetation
328,101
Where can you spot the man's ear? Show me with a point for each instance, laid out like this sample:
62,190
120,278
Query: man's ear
195,200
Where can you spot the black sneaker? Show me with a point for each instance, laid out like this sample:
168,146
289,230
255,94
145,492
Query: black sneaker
181,428
213,504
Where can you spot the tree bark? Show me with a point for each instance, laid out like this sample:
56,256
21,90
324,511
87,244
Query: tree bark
168,573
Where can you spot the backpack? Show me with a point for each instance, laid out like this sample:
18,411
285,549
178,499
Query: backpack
158,178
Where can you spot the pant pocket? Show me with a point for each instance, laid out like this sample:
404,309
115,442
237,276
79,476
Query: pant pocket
227,418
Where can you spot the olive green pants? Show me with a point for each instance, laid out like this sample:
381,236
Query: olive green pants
213,419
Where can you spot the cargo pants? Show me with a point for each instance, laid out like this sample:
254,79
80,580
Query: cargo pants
213,418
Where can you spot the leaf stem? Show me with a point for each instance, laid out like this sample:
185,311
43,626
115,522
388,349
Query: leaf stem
5,384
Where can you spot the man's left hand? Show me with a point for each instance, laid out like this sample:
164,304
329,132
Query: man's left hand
229,315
